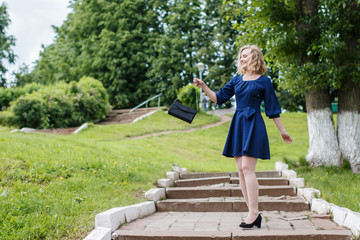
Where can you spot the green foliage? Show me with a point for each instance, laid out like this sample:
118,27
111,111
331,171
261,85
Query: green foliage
31,111
138,49
340,42
6,42
291,102
61,105
312,49
189,95
6,118
7,95
60,109
90,100
108,40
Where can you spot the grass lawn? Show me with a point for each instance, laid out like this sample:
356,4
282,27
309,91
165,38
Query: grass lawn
52,186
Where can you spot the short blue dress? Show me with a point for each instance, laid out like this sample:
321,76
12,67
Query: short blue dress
247,133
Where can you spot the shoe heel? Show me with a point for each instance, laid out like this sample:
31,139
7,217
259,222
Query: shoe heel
258,221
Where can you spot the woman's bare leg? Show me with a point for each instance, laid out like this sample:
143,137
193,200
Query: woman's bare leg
238,161
252,187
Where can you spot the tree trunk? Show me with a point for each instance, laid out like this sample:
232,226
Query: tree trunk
323,145
348,123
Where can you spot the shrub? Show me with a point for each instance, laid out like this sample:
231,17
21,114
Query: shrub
8,95
60,109
31,111
90,100
188,97
61,105
6,118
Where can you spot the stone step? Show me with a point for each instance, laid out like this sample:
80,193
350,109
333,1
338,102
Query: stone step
230,204
236,235
225,225
209,191
266,181
264,174
194,182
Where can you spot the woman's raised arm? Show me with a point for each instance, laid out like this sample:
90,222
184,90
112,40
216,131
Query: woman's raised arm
211,94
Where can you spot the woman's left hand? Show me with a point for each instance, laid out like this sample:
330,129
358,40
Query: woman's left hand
286,137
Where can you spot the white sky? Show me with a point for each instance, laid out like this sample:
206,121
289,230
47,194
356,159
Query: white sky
31,22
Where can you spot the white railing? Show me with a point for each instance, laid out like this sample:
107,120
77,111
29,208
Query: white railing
145,102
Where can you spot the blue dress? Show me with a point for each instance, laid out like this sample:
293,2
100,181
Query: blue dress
247,133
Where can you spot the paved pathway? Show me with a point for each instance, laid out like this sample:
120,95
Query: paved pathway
223,119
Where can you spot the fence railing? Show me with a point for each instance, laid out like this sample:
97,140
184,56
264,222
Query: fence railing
146,102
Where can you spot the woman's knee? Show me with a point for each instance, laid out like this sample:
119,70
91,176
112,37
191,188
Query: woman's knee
238,161
246,170
248,166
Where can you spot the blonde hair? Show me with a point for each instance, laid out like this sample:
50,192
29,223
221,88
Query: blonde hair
256,64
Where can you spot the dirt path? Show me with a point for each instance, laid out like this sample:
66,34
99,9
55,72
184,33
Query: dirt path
223,119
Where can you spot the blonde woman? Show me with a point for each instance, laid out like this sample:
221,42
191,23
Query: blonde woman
247,139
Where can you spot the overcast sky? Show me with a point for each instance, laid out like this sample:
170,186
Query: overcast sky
31,22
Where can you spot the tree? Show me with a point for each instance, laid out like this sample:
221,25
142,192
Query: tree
173,64
140,48
219,53
290,33
109,40
343,51
6,42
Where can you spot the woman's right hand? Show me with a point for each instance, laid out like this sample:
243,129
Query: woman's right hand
199,83
286,137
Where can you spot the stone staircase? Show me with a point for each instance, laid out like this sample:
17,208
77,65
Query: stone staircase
210,206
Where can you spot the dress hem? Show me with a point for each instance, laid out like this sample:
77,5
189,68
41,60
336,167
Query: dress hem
231,156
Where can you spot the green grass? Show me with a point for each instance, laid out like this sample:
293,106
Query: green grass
337,185
52,186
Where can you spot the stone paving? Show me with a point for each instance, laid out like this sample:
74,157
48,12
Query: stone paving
274,223
229,221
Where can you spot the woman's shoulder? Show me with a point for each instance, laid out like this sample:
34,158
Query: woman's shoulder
235,79
265,79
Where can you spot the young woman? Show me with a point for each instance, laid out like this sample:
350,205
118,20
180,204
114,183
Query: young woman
247,139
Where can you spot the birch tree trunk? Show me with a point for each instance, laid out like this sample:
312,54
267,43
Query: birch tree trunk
323,144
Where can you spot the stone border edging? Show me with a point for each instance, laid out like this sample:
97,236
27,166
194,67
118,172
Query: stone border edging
108,221
342,216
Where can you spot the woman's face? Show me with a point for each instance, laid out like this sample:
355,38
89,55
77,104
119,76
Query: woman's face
245,58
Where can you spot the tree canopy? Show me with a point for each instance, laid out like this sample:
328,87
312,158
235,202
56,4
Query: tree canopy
139,48
301,46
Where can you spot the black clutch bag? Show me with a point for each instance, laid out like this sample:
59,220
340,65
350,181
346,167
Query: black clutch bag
185,113
182,112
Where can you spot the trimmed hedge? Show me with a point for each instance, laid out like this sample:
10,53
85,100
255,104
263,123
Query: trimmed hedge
60,106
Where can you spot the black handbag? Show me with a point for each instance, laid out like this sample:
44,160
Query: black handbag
185,113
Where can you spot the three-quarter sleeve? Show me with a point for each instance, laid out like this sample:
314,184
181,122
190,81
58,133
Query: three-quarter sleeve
272,106
225,92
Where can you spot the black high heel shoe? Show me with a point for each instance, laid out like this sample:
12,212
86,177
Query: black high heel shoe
257,223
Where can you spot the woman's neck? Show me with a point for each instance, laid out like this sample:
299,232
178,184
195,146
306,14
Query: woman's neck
251,75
